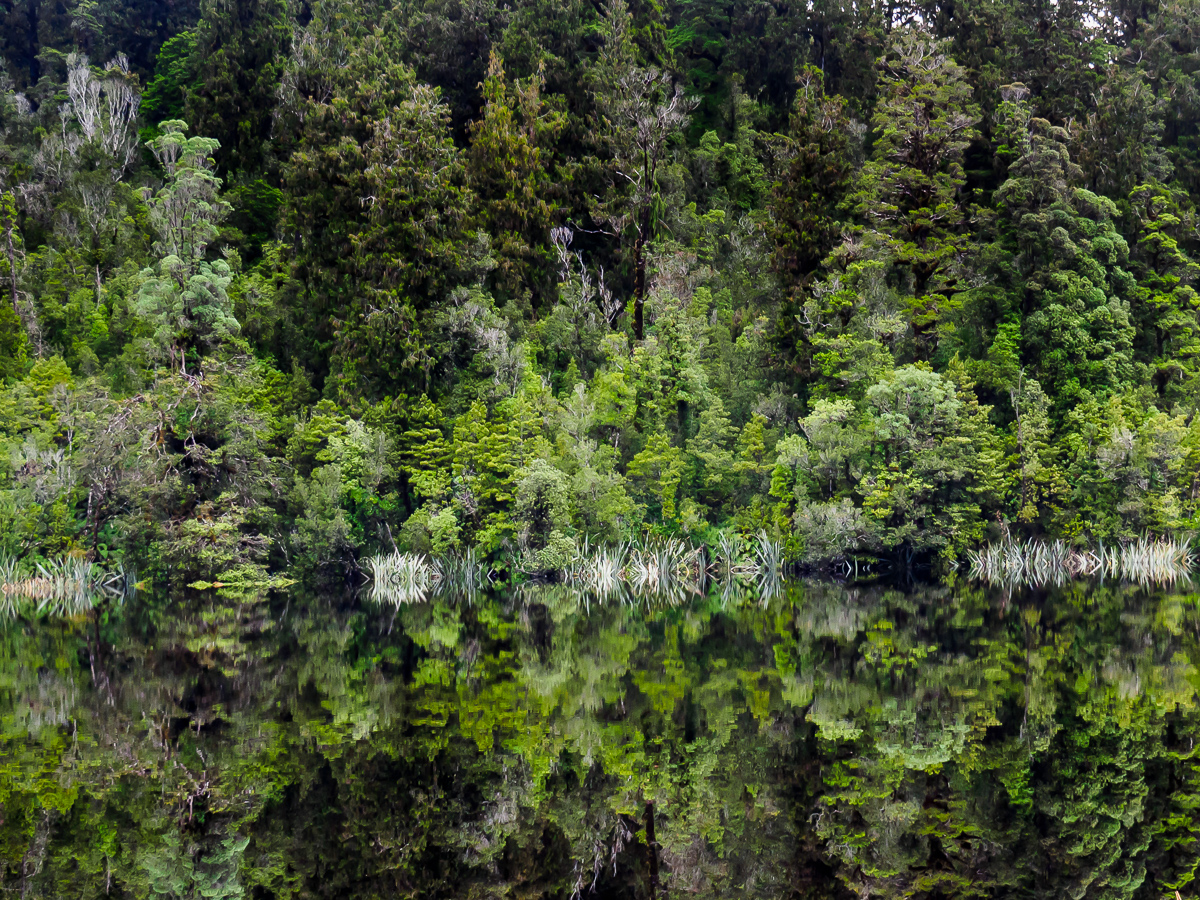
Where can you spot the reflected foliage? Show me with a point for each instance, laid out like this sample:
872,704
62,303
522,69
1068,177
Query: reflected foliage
825,741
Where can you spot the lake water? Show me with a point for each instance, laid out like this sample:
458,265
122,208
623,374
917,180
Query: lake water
823,741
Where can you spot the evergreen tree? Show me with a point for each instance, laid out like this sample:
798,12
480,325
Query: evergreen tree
911,189
641,111
817,163
508,170
239,54
375,203
1070,265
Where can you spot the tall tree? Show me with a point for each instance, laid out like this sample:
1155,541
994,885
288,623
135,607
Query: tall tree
816,169
1167,307
641,110
508,168
185,296
375,202
1070,264
240,52
1167,49
911,189
1120,145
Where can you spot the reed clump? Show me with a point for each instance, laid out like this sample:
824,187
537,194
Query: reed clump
654,569
401,578
669,570
463,573
1047,563
66,587
760,555
665,570
760,558
666,567
600,571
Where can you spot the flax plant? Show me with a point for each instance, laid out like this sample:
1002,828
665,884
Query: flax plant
67,587
402,578
1046,563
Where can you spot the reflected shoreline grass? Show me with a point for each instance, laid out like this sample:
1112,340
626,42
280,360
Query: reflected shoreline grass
653,570
1053,563
670,570
66,587
400,578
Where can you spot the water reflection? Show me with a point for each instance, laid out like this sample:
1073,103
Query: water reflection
67,587
1157,561
395,579
815,738
664,572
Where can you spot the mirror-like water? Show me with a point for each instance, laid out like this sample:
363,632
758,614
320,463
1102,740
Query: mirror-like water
816,741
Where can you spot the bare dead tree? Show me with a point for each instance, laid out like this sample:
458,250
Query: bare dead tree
106,108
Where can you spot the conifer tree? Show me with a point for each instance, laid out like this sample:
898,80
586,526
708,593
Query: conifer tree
641,110
508,169
239,54
911,189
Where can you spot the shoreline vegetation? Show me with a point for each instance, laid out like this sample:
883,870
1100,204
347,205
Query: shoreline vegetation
599,449
675,570
68,587
668,570
654,569
1045,563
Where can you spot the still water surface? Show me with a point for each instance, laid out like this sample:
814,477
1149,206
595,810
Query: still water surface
944,740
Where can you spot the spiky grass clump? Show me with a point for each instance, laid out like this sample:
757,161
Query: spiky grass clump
761,558
1048,563
9,576
729,553
599,572
666,569
399,578
768,553
736,556
66,587
656,570
463,574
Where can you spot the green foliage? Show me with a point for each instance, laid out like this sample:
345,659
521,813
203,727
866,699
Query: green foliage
910,190
374,195
187,210
167,91
187,311
871,280
818,152
502,282
857,738
238,59
508,172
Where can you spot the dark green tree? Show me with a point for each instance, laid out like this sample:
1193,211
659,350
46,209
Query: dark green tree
910,191
641,110
816,168
375,204
239,56
1069,275
508,169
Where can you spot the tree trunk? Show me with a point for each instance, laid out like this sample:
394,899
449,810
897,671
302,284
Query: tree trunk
649,165
12,268
652,850
639,274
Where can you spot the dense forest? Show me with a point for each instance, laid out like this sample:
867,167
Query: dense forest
288,282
